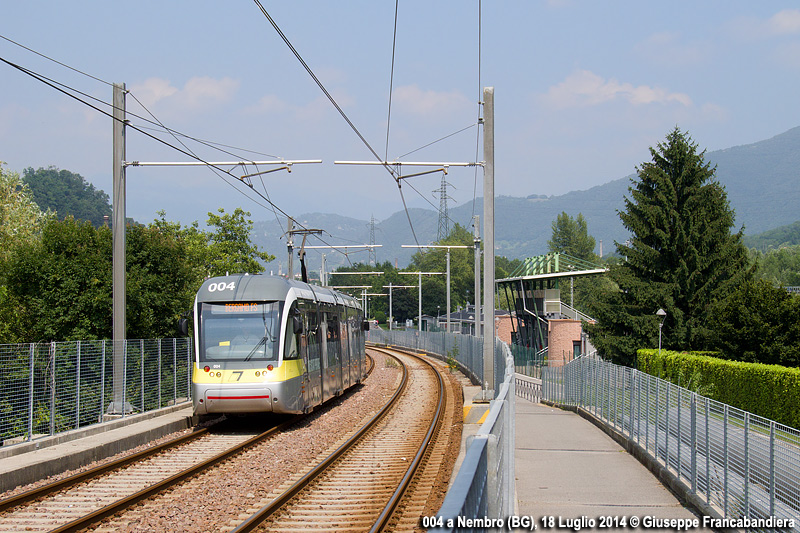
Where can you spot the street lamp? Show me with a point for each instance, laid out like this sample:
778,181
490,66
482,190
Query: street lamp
661,314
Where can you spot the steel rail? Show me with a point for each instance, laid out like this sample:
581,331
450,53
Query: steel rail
271,508
55,486
388,511
121,505
96,516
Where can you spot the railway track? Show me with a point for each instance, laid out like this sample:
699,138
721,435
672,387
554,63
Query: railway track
79,501
139,486
385,476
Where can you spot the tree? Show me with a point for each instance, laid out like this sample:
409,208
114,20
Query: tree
21,219
161,284
780,267
230,249
21,222
62,283
681,256
758,324
462,272
68,194
571,237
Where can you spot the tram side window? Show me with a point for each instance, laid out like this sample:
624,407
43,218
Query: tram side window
311,332
333,339
292,340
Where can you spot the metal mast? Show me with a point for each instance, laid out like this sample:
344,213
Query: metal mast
488,240
118,257
444,217
372,257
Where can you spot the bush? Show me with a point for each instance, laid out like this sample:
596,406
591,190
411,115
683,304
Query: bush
770,391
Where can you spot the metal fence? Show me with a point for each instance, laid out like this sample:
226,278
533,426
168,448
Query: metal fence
465,349
484,485
48,388
529,362
737,463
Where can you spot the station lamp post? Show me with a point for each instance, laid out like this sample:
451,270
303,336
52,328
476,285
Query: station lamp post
661,314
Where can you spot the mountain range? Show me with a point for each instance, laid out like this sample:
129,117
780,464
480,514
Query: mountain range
761,180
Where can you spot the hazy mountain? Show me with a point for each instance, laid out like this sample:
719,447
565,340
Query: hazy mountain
773,239
761,180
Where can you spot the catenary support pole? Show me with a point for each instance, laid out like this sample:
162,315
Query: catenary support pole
476,224
419,303
290,248
118,255
448,292
488,239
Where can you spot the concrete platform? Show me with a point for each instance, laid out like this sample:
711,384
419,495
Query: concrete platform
31,461
568,468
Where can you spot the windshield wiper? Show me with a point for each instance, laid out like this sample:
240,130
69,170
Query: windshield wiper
255,348
267,336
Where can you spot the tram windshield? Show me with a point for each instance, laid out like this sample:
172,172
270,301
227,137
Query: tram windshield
239,331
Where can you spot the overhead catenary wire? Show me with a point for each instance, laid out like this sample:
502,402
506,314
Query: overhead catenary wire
65,89
440,139
162,127
480,110
391,78
340,110
56,61
320,85
272,205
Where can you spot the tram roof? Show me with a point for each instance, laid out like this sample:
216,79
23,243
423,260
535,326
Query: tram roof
264,287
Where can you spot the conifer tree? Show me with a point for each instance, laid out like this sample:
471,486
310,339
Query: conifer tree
571,236
681,255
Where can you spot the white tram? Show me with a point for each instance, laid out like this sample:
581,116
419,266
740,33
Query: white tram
270,344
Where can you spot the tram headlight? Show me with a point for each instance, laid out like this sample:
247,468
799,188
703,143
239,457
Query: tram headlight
206,368
269,367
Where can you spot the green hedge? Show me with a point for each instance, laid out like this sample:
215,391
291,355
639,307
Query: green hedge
770,391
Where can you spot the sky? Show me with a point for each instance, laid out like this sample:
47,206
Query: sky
582,90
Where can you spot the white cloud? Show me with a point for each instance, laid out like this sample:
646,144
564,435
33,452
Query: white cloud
268,104
416,101
784,22
714,113
152,91
198,93
202,91
584,88
668,48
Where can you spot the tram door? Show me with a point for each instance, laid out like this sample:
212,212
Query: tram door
312,355
325,372
344,327
334,352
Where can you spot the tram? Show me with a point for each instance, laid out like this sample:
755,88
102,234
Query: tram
271,344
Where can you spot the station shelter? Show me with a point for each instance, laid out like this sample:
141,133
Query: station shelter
541,322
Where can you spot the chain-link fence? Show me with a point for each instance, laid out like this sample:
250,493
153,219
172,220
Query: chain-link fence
484,485
742,465
47,388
